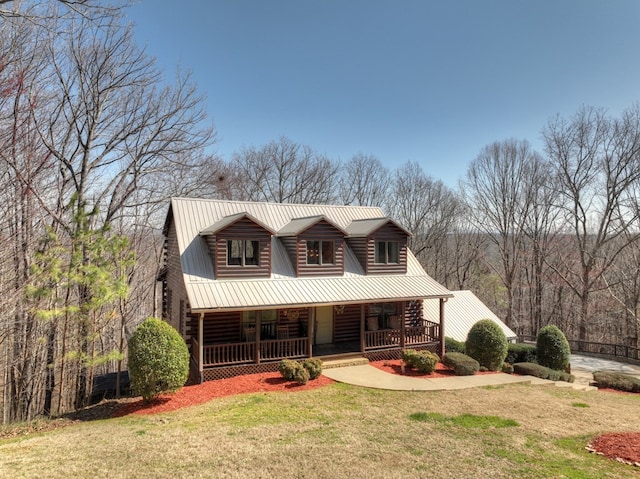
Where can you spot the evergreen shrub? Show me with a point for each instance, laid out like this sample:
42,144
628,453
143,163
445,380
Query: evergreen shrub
313,366
619,381
487,344
552,348
521,353
542,372
423,361
453,345
461,364
158,359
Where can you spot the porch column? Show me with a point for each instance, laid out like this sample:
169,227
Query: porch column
403,307
200,344
362,332
258,328
311,324
442,301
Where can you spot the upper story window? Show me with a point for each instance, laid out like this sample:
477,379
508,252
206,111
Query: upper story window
387,252
320,252
243,253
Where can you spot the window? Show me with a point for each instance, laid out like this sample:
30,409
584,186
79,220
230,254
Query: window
383,316
243,252
320,252
387,252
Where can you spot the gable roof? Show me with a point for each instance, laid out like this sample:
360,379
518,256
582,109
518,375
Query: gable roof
365,227
463,310
298,225
231,219
283,289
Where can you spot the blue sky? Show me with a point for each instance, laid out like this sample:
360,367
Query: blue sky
418,80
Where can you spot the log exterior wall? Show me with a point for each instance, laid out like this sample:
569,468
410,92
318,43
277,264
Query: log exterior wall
244,229
297,249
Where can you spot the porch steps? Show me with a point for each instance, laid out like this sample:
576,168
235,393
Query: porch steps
343,361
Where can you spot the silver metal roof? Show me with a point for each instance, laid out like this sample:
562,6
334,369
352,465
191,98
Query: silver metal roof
298,225
229,220
192,216
461,313
367,226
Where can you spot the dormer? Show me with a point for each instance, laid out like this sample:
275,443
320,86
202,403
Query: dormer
380,244
315,246
240,246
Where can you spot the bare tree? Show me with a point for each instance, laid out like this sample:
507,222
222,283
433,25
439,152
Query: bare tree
284,172
89,130
364,181
498,189
596,160
427,208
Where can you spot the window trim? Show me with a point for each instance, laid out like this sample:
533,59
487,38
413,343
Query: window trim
321,244
243,249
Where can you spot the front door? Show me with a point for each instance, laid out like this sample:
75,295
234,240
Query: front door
324,325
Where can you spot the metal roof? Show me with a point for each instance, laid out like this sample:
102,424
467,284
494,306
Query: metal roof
205,293
229,220
368,226
461,313
298,225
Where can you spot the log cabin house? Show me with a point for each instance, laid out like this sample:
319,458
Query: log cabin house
247,284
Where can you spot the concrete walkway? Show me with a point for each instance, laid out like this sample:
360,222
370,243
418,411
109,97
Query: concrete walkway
368,376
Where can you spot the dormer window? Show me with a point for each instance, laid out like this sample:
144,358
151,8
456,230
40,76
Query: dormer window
387,252
320,252
243,253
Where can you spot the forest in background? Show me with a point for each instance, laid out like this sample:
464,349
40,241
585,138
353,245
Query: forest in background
95,139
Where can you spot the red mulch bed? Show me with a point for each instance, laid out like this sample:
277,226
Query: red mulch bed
621,446
201,393
395,367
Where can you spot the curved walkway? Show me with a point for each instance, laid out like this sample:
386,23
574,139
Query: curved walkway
368,376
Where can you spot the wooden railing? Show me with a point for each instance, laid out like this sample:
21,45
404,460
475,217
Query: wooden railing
242,353
414,335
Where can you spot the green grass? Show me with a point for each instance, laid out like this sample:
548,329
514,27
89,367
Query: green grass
340,431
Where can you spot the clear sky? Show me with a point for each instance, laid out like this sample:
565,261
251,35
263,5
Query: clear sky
427,81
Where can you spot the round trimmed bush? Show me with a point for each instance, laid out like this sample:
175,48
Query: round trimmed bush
487,344
158,359
552,348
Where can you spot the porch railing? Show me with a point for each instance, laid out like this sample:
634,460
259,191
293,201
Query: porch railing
242,353
391,338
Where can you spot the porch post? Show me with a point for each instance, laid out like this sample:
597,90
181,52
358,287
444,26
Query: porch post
403,307
442,301
258,328
362,333
311,323
200,344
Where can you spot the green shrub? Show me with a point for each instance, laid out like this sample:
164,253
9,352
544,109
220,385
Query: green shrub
288,368
487,344
313,366
507,368
301,375
619,381
542,372
423,361
158,359
461,364
552,348
453,345
521,353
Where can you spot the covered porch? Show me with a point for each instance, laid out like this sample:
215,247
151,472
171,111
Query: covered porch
239,342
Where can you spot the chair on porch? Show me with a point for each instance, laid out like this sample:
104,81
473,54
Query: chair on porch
250,334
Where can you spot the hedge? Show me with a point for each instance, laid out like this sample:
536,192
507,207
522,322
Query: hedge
461,364
542,372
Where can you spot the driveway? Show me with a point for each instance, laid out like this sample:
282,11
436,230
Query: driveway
582,367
